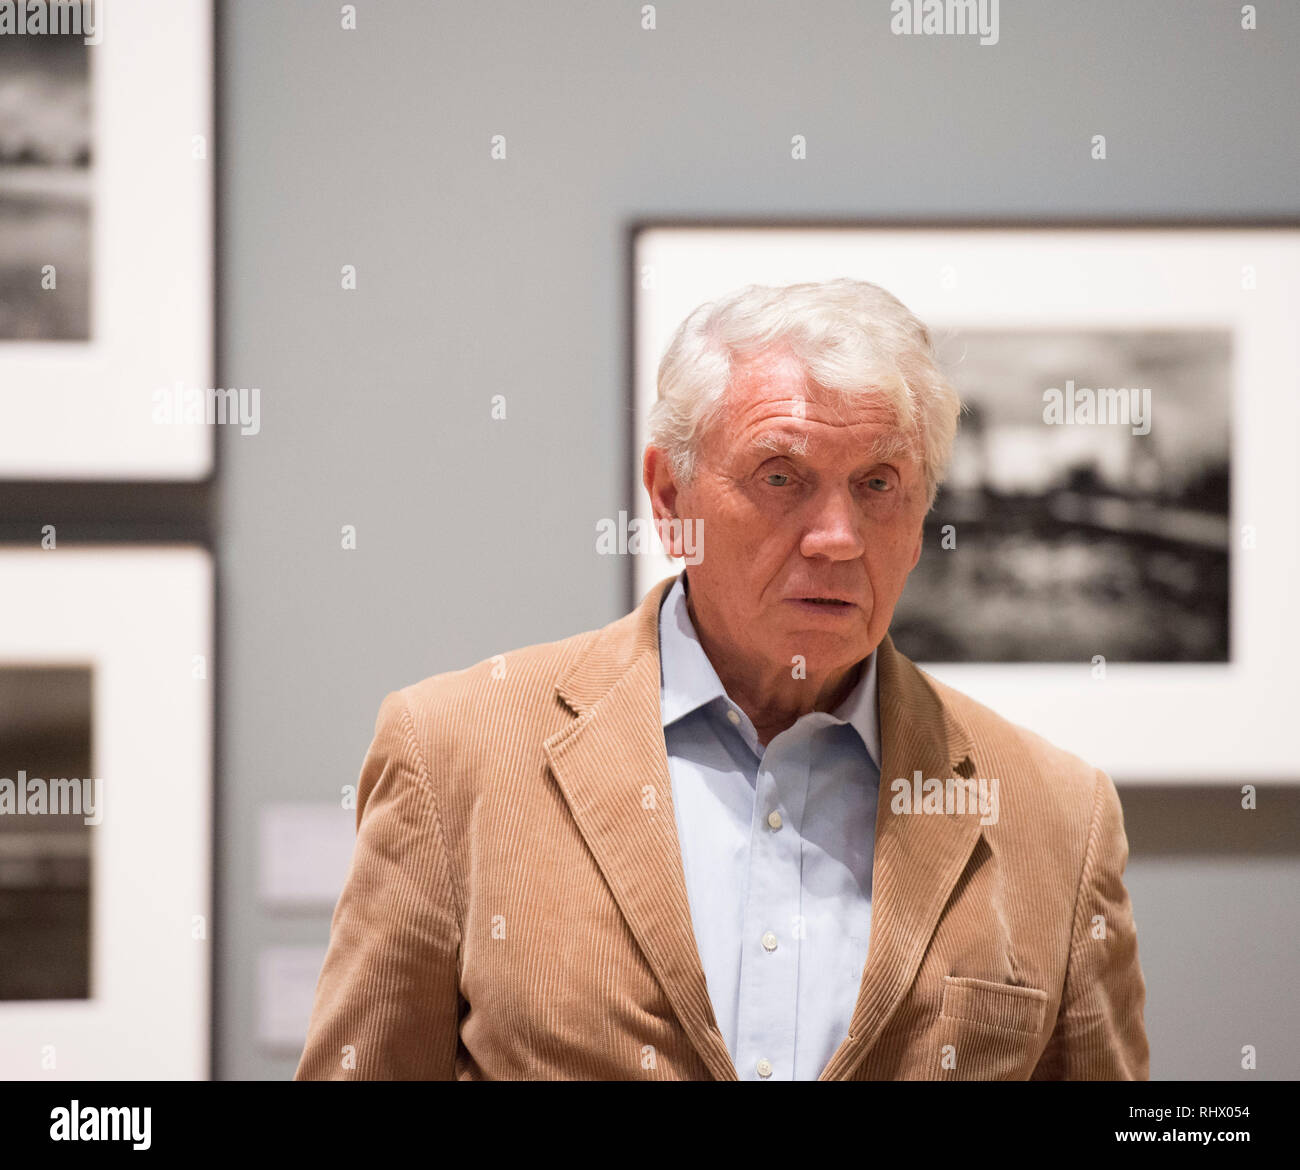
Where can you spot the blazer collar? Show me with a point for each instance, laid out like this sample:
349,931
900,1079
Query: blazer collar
612,767
689,680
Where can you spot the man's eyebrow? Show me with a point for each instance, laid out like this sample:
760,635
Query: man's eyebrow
780,442
890,445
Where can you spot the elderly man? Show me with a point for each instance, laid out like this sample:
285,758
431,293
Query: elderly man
735,834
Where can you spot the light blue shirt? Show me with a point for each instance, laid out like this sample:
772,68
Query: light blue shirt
777,845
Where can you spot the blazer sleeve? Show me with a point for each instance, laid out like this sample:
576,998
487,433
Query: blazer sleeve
1099,1033
387,1003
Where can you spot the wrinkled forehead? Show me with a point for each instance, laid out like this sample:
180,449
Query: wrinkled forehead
776,408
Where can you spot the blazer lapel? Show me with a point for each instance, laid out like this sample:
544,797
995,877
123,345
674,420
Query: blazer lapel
918,857
612,767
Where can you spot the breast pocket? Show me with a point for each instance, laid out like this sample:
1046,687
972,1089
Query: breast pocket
996,1005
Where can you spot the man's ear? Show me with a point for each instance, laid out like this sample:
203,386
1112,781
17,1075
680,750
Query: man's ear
657,476
916,552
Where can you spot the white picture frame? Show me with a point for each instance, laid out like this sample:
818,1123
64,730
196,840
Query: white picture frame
142,619
1211,723
86,410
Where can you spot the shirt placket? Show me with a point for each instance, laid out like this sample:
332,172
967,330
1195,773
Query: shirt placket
770,942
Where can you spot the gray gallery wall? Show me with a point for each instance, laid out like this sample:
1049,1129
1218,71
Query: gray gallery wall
477,278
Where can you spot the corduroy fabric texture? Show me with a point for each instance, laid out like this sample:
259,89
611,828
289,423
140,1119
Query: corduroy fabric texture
516,906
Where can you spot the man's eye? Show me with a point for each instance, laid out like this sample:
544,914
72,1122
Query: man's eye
879,483
777,475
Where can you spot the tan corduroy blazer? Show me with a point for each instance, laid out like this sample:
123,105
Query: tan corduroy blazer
516,905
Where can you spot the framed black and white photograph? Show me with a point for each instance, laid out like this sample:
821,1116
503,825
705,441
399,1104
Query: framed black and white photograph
1106,559
46,715
106,794
46,172
1080,535
106,151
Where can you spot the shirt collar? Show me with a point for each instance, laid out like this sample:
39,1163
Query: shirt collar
688,680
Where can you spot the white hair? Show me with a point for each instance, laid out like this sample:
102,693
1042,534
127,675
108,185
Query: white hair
848,336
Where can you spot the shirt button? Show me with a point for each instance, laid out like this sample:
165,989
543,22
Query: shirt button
769,941
774,819
733,716
764,1067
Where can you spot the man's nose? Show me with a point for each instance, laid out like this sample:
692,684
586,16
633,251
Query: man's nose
833,528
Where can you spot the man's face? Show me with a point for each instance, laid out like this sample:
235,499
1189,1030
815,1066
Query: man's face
840,520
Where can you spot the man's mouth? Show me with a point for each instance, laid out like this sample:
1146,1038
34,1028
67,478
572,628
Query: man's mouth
829,602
